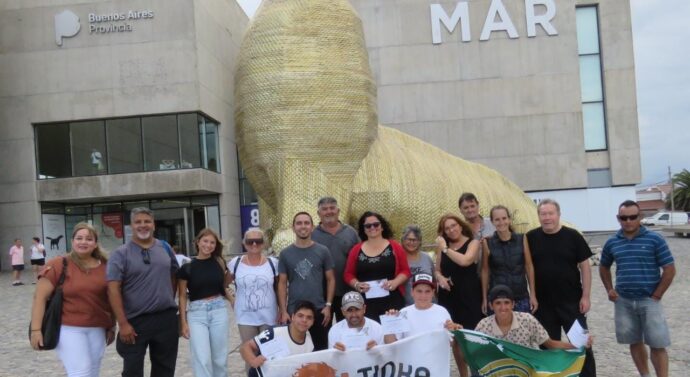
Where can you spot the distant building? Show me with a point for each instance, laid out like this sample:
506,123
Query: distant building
653,199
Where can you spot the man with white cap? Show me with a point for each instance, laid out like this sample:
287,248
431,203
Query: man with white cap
356,330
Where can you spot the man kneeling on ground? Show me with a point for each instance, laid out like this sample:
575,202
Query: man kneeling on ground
295,335
516,327
356,330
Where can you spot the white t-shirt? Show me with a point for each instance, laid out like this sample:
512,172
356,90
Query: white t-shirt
371,328
255,302
422,321
182,259
281,332
37,251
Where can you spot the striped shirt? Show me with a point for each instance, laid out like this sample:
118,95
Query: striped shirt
638,262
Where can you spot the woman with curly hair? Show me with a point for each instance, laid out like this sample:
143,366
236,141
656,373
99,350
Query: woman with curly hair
380,260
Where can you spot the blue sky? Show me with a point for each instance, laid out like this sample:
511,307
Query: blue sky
661,38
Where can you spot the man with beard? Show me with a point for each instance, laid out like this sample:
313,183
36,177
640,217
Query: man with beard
339,238
305,264
363,331
141,290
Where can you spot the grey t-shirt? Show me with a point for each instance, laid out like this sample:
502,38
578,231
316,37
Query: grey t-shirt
423,265
339,245
305,269
146,288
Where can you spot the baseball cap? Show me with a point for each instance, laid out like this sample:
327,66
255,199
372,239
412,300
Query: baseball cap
352,299
423,279
501,291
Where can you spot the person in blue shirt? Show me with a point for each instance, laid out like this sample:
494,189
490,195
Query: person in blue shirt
644,271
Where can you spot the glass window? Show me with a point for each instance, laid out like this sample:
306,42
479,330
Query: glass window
590,78
124,145
170,203
210,145
587,30
78,209
88,148
53,151
52,208
598,178
205,200
190,128
161,150
595,130
131,205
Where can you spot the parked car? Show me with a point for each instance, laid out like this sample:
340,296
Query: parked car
667,218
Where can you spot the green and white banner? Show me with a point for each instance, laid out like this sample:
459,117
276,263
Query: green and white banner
494,357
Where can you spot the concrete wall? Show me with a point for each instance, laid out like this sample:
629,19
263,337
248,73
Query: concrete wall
512,104
180,60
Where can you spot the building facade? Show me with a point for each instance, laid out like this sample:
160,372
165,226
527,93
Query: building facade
110,105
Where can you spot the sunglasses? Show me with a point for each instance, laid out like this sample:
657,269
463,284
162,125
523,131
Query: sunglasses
146,256
372,225
254,241
626,218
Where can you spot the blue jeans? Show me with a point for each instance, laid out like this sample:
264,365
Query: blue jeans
208,337
641,320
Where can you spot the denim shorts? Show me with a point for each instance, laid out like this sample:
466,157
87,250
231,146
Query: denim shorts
641,320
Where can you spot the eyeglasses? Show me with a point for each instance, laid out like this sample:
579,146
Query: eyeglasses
146,256
254,241
626,218
372,225
411,240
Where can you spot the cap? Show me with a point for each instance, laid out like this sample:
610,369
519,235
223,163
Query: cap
501,291
423,279
352,299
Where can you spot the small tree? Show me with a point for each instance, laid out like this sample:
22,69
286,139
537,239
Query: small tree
681,191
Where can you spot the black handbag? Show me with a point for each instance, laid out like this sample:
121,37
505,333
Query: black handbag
52,317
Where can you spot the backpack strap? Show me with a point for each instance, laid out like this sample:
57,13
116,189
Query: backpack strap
237,264
173,261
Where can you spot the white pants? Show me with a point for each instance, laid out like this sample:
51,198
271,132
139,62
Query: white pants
81,349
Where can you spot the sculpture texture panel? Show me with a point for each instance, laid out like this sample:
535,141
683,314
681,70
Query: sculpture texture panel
307,127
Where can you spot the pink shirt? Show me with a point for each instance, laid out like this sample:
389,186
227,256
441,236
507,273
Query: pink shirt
17,254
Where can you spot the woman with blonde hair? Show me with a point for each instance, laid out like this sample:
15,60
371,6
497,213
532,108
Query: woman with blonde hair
255,276
204,314
88,324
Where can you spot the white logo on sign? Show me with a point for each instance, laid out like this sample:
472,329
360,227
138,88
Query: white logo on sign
66,25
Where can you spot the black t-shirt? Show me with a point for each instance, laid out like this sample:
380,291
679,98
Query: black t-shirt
204,278
555,258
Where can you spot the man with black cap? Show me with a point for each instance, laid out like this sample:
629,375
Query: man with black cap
355,330
516,327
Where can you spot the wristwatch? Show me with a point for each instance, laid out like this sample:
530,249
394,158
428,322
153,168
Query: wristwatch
328,304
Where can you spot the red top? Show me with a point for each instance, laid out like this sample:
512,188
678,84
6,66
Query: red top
85,294
401,265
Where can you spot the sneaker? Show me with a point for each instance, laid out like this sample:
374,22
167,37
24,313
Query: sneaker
20,283
33,282
15,283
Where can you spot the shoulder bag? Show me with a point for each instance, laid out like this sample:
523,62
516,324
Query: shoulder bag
52,317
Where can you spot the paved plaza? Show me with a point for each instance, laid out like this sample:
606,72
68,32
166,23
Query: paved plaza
17,359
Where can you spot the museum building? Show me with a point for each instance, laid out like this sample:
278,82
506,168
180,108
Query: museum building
110,105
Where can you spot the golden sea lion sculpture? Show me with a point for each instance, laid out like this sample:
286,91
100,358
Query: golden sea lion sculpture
307,127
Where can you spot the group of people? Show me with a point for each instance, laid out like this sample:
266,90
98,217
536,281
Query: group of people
522,288
38,258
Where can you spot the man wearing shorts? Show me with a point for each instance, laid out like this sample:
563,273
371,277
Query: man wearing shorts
644,271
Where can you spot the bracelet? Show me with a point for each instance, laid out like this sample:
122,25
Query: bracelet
32,330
